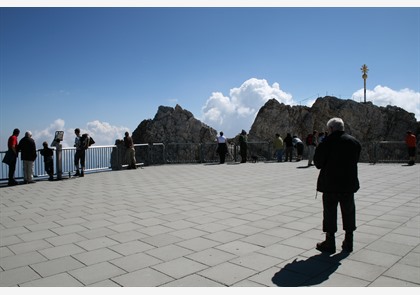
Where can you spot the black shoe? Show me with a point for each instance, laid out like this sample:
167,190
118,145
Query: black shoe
13,183
347,246
348,242
82,174
326,247
76,174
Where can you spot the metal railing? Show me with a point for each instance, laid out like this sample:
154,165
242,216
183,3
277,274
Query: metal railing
387,152
97,158
113,156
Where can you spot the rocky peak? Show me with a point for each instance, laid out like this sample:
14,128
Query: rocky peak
365,121
173,125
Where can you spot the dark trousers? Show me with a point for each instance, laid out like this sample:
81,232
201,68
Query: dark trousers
79,156
330,202
289,153
244,150
12,168
49,167
222,150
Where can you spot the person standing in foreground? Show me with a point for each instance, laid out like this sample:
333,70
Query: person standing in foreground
130,151
222,147
80,155
12,145
28,154
337,157
410,140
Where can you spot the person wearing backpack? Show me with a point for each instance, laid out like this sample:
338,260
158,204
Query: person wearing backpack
79,156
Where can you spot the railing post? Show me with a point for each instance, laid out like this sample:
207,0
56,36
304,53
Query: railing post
235,152
58,160
117,155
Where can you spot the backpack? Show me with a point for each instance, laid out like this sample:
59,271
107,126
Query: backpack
309,139
86,141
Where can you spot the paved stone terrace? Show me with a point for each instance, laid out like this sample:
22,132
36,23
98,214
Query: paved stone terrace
207,225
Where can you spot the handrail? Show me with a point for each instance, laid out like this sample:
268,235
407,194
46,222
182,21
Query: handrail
107,157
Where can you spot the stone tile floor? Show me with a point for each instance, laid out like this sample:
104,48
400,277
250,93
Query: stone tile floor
207,225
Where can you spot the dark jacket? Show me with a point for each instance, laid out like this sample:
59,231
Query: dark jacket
47,153
337,157
288,140
27,149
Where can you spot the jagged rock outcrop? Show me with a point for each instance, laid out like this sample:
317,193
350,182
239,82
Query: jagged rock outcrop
184,138
173,125
367,122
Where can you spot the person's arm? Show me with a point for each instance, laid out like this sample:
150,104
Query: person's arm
320,156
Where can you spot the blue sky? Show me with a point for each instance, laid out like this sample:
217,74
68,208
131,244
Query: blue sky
105,70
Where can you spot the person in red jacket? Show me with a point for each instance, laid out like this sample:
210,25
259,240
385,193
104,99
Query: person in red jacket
410,140
12,145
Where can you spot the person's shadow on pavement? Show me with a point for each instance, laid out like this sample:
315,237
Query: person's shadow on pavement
309,272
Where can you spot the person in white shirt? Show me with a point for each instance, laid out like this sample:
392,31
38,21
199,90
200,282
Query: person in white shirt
222,147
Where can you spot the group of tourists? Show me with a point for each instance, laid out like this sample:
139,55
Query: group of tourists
282,147
27,148
28,154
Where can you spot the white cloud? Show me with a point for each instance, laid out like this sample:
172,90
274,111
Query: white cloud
407,99
48,133
102,132
236,112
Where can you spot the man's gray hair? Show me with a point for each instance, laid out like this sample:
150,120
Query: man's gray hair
28,134
336,124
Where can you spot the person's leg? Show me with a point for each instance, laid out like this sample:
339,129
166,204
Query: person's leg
82,162
25,171
133,158
329,222
222,157
310,154
76,162
31,171
348,213
12,168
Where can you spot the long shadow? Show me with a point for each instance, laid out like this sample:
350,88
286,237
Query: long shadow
309,272
304,167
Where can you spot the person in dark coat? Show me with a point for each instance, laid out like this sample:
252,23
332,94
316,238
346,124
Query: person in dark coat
243,145
288,141
48,153
337,157
130,152
27,150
